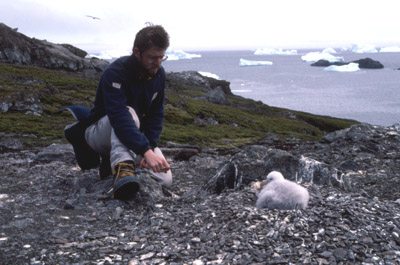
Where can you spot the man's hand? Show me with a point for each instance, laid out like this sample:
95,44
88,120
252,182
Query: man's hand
152,161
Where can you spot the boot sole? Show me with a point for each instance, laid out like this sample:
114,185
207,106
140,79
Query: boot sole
126,188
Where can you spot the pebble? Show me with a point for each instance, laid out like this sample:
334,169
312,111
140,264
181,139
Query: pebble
64,217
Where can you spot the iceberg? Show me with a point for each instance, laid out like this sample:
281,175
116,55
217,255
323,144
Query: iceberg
312,57
390,49
363,48
268,51
244,62
207,74
110,54
241,90
351,67
329,50
174,55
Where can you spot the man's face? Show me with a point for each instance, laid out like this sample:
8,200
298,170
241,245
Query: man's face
150,60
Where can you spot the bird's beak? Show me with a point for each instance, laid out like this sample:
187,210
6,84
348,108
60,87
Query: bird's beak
264,182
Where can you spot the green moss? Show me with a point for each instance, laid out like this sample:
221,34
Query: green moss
222,136
236,126
241,122
325,123
54,77
49,127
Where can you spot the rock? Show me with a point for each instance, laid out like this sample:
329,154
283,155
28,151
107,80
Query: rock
13,144
16,48
117,213
325,63
51,212
209,121
366,63
75,50
216,96
360,153
222,84
186,154
23,101
56,152
191,78
255,162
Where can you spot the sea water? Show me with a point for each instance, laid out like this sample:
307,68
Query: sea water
368,95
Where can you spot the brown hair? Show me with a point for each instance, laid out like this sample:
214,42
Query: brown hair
151,35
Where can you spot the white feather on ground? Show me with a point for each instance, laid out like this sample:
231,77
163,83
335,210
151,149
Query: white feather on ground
282,194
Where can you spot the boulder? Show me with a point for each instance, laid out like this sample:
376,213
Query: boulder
255,162
326,63
60,152
216,96
16,48
151,190
191,78
75,50
366,63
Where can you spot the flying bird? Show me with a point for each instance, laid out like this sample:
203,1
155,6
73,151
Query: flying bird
282,194
94,17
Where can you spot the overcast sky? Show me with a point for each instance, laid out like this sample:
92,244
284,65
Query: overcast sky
208,24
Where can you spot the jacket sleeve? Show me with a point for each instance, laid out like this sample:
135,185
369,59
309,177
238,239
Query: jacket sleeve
115,103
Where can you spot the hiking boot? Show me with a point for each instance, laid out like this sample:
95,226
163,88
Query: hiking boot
126,184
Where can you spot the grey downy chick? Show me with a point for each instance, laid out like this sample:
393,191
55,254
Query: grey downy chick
282,194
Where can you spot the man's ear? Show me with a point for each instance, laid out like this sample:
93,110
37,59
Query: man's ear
136,52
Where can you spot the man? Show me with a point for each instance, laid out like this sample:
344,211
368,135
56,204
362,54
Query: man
126,120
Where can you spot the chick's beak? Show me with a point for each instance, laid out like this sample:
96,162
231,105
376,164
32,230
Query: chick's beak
264,182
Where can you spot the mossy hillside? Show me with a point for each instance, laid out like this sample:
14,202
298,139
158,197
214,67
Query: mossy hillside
236,126
54,89
240,122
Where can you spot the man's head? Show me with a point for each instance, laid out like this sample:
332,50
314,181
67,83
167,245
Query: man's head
149,48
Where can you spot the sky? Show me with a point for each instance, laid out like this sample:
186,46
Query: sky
208,24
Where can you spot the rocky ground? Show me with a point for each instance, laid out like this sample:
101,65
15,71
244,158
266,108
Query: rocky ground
53,213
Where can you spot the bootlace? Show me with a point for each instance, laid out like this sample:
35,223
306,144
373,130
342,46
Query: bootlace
123,169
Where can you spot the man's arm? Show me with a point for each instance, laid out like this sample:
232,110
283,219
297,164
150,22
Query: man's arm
115,104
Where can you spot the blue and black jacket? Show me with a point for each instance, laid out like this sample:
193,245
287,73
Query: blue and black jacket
120,86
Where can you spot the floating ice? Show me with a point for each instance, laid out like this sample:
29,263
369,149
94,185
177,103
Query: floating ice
179,54
390,49
316,56
363,48
207,74
110,54
244,62
351,67
329,50
241,90
268,51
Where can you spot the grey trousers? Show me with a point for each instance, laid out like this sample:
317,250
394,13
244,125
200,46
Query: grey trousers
101,137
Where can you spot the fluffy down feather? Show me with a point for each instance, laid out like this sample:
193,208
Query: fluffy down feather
282,194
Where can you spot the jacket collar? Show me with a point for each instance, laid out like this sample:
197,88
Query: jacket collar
134,68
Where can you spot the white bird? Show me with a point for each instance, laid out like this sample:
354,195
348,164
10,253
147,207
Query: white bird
94,17
282,194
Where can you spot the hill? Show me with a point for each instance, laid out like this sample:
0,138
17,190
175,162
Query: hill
31,98
37,78
219,147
